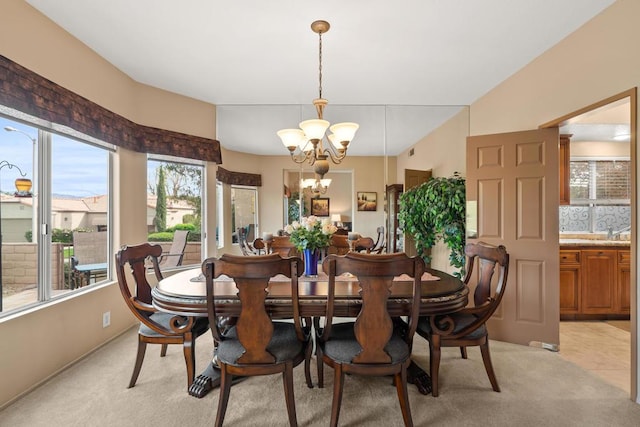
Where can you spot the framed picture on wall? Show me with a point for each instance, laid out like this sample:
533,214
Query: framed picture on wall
367,201
320,206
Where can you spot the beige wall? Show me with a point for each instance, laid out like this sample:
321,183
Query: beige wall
444,152
600,149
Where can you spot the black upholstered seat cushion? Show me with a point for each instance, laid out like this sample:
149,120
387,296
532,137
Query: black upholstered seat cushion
343,345
462,320
284,344
200,326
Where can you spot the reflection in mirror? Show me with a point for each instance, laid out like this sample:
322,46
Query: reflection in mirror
298,198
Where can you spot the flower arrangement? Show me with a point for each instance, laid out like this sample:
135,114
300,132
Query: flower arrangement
311,232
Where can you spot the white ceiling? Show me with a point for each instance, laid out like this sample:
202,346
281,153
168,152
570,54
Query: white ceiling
399,69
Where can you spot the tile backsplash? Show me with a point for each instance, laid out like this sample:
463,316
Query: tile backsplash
594,219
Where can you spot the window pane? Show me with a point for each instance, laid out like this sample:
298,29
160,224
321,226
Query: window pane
79,214
18,249
579,180
244,212
174,200
613,179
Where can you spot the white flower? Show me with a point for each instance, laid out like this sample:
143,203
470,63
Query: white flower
295,224
328,228
288,228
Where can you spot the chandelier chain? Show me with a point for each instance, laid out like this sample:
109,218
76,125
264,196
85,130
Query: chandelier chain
320,64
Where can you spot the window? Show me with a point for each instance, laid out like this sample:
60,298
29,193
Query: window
600,181
174,200
244,208
600,196
69,196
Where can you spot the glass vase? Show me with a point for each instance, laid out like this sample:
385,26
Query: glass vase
310,257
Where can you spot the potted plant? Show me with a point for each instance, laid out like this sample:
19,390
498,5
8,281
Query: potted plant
435,211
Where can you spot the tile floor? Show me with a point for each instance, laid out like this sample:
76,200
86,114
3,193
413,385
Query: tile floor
602,347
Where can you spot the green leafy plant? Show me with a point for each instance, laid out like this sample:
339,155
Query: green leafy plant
435,211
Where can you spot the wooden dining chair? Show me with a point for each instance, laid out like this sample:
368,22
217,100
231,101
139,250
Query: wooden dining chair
255,344
371,345
155,327
363,244
282,245
338,245
469,325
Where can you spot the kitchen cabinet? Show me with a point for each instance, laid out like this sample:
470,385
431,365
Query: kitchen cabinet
594,282
564,162
569,281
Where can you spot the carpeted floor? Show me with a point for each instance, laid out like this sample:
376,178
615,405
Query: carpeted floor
539,388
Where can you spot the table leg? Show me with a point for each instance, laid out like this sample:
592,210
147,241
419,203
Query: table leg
418,377
207,380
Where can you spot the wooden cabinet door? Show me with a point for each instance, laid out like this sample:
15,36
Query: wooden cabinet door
569,282
624,282
599,274
569,289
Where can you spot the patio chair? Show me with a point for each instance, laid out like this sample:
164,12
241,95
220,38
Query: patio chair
89,259
174,257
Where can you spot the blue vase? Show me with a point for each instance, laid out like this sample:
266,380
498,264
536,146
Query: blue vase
310,262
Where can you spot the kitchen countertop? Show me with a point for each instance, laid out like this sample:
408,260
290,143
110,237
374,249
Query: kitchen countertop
594,242
594,239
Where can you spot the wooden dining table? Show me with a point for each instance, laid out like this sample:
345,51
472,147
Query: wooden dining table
184,294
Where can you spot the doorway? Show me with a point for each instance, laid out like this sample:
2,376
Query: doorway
597,224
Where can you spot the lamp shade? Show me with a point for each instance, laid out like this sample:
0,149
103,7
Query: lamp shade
336,218
344,131
291,138
314,128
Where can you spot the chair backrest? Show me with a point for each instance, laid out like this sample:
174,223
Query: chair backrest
489,259
338,245
342,232
139,302
251,276
364,244
282,245
176,251
89,247
373,327
378,247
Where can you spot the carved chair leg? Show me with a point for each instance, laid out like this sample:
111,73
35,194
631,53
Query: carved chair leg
307,363
434,367
142,347
287,378
189,350
163,350
338,386
400,380
225,388
320,366
486,358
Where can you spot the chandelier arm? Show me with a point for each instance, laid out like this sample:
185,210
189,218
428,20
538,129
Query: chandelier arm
336,156
303,156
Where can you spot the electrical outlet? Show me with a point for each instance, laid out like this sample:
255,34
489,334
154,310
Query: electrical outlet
106,319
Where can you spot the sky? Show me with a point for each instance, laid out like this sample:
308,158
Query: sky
78,170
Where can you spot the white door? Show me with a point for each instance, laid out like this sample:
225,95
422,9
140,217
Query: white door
513,177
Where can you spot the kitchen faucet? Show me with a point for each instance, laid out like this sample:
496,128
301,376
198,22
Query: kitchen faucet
615,235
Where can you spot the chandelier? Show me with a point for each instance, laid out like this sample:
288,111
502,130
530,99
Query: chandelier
306,144
316,185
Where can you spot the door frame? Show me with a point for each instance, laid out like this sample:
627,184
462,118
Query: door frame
635,328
